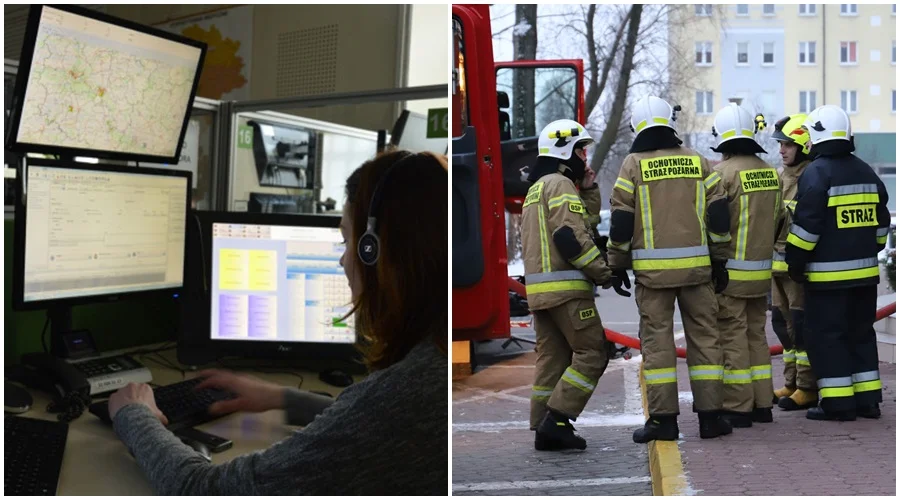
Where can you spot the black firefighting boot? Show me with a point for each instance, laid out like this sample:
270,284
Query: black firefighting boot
556,433
762,415
799,400
738,420
713,425
818,413
868,411
784,392
657,427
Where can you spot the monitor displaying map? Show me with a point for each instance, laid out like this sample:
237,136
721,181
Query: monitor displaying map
95,85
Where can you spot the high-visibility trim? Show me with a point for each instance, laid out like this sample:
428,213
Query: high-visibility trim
874,385
749,265
881,240
531,279
640,126
857,274
777,204
839,133
586,258
669,264
625,246
560,286
735,275
660,376
740,252
791,204
544,150
853,199
736,377
761,372
802,358
700,208
624,185
852,189
578,380
545,244
836,392
706,372
711,180
563,199
670,258
719,238
777,257
661,121
778,263
882,231
834,382
670,253
541,393
646,216
843,265
534,194
802,238
865,376
731,133
789,356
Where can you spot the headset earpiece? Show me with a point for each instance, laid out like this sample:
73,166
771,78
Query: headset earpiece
369,246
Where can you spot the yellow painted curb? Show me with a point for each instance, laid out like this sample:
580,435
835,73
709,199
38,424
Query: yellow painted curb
666,473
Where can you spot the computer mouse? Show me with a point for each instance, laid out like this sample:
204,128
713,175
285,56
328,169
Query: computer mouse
16,399
335,377
199,447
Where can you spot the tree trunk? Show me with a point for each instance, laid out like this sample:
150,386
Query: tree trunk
524,48
611,131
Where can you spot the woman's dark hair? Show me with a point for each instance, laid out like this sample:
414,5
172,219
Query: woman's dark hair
403,298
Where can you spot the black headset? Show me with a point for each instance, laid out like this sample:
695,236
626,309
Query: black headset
369,245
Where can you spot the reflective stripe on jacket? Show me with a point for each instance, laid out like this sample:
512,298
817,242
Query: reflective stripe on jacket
789,178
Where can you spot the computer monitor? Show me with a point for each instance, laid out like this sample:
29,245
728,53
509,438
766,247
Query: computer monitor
272,286
93,85
91,233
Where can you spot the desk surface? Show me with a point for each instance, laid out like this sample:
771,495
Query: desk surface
97,463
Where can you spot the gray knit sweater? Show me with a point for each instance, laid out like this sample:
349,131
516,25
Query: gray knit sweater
386,435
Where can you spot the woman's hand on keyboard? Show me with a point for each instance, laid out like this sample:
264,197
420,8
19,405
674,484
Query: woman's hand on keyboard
252,394
135,393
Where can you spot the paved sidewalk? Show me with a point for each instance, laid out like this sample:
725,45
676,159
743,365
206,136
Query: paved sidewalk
793,455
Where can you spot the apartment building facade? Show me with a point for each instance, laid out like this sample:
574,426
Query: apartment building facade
781,59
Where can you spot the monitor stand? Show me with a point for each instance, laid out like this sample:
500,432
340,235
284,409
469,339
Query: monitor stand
60,323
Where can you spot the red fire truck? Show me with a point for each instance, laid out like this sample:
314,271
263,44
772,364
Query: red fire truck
489,153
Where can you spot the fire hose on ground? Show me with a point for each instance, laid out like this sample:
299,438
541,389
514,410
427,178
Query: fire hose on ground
633,343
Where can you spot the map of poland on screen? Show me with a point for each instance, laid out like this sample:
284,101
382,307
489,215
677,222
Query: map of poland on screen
94,85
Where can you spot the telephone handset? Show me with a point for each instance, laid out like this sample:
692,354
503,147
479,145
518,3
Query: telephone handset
70,388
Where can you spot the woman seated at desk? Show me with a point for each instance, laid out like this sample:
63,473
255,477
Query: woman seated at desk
386,435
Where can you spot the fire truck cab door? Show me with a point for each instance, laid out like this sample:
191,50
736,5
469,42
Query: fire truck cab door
531,94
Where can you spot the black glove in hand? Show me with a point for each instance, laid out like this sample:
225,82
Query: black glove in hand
797,273
719,276
620,277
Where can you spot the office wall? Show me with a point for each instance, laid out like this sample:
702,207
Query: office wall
114,326
428,65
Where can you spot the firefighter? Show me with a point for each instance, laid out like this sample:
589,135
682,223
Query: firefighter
754,198
840,224
562,264
799,391
670,224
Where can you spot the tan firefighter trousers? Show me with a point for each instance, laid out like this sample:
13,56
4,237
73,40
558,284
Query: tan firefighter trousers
571,357
748,366
787,297
698,307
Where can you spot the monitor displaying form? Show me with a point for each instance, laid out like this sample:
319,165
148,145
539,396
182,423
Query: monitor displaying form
279,283
98,86
99,231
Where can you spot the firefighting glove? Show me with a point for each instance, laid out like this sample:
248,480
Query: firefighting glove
797,273
619,278
719,275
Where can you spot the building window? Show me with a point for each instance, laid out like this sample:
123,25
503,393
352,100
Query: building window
703,53
807,101
768,58
807,9
893,9
703,9
894,101
704,103
743,53
848,52
768,9
848,9
848,101
743,9
894,52
807,53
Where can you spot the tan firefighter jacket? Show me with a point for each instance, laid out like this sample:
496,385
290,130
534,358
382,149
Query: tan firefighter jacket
550,279
754,203
669,192
790,177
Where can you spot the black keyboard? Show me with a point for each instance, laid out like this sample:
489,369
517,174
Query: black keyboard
181,403
32,455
